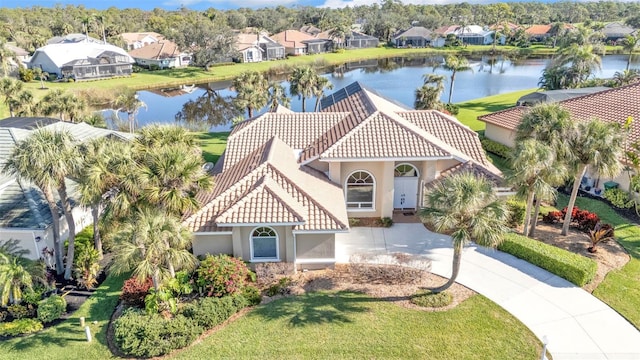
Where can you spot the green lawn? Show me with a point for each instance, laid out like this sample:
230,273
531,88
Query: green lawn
212,144
353,326
470,110
621,288
67,340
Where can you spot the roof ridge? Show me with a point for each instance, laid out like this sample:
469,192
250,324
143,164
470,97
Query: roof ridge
347,134
620,88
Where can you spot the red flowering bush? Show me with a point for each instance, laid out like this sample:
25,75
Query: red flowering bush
222,275
553,217
582,219
134,292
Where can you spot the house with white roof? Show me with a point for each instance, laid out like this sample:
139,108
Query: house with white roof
83,60
136,40
24,213
288,182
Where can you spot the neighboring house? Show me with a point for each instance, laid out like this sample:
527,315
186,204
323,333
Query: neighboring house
19,59
614,32
163,54
288,182
294,41
82,60
248,45
137,40
540,33
417,36
476,35
551,96
24,213
311,30
72,39
612,106
358,40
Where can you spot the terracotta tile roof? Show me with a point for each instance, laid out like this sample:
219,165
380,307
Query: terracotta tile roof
292,38
613,106
468,166
269,186
538,29
164,49
252,133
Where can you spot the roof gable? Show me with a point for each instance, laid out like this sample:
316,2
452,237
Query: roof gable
164,49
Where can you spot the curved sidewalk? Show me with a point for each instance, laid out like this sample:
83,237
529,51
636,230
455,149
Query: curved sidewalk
577,324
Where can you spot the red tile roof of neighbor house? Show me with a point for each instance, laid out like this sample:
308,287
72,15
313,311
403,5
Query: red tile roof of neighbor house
292,38
164,49
612,106
543,29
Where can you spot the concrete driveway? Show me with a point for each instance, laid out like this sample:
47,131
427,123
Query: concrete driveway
577,325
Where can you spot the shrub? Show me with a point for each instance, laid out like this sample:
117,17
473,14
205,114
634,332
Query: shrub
181,285
26,75
154,67
147,335
552,217
3,315
386,222
221,275
618,198
432,300
210,312
453,109
20,327
18,311
252,295
160,301
495,147
354,222
134,292
86,266
33,296
516,212
575,268
51,308
280,287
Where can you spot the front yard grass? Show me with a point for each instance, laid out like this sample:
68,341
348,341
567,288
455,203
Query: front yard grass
344,325
67,340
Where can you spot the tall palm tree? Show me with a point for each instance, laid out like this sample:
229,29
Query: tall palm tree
320,84
66,105
581,58
154,136
86,22
626,77
428,95
455,64
466,207
556,30
152,244
629,44
277,96
101,19
549,124
41,75
10,88
251,88
128,102
599,146
301,83
13,279
23,104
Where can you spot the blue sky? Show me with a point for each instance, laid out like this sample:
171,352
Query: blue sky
218,4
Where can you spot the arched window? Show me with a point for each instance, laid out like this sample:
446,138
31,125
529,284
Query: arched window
360,190
264,244
405,170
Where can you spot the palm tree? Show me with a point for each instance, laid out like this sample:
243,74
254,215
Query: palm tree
5,56
581,58
152,244
428,95
66,105
41,75
549,124
154,136
301,83
23,103
466,207
455,64
556,29
86,22
599,146
277,96
10,88
321,83
127,101
251,88
13,279
626,77
100,18
629,44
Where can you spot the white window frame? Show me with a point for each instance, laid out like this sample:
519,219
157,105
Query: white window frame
277,239
407,164
373,195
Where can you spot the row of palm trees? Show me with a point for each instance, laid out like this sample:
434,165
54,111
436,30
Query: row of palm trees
428,95
151,180
21,102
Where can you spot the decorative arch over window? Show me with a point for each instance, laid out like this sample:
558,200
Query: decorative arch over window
405,170
264,244
360,190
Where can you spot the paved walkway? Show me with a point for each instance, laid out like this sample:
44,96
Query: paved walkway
577,325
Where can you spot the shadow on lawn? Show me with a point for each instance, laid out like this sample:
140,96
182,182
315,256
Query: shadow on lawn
315,308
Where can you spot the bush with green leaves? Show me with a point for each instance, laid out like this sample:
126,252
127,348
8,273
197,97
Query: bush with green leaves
432,300
281,287
495,147
86,266
222,275
517,211
618,198
139,334
18,311
252,295
573,267
161,300
209,312
20,327
51,308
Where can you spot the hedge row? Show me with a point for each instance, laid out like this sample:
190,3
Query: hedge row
495,147
575,268
20,327
139,334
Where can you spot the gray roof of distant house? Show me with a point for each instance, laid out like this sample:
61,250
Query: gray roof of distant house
615,29
28,123
552,96
416,31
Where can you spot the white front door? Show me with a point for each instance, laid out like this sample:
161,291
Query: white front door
405,192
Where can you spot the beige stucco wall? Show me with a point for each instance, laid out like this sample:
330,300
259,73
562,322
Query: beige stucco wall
315,246
383,190
622,179
242,235
27,240
500,134
212,244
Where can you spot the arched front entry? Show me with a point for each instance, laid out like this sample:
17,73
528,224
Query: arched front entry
405,186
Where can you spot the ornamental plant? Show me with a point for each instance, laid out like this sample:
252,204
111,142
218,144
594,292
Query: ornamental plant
222,275
134,292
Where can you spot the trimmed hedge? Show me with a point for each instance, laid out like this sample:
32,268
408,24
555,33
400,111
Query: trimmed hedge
575,268
20,327
212,311
51,308
495,147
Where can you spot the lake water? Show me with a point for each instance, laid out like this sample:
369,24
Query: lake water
395,78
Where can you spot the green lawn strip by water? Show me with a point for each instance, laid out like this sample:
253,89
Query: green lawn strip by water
67,340
470,110
354,326
620,288
212,145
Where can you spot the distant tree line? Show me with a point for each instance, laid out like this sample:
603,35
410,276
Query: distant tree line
31,27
